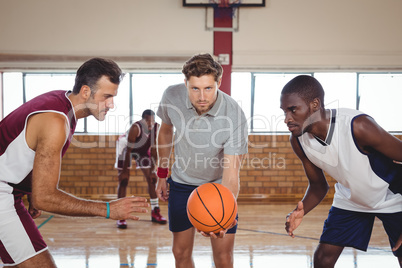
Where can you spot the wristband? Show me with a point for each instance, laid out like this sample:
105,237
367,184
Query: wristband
162,172
107,210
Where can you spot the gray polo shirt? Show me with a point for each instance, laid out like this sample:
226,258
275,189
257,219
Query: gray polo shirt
200,142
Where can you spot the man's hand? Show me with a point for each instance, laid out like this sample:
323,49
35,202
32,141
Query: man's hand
124,208
35,213
294,218
162,189
31,209
221,234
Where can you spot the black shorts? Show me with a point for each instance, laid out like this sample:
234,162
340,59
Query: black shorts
353,229
178,196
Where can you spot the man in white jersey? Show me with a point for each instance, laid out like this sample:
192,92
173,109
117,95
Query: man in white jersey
210,139
353,149
33,139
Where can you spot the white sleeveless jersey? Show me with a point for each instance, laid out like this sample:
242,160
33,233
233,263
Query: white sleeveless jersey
365,182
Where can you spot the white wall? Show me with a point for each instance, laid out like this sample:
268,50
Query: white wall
321,34
147,34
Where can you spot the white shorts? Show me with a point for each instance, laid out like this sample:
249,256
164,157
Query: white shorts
142,161
19,237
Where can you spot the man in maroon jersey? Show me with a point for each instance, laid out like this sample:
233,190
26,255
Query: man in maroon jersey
33,139
139,142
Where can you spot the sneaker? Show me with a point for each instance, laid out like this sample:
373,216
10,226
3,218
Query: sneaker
157,217
121,224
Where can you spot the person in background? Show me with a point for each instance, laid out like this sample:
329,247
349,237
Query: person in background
139,142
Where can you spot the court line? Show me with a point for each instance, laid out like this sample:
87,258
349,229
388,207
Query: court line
43,223
274,233
132,264
303,237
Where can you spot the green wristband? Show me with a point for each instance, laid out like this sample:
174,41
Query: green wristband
107,210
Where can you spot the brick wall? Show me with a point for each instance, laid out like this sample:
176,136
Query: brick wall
270,171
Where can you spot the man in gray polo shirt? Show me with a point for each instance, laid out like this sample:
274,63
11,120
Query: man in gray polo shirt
209,141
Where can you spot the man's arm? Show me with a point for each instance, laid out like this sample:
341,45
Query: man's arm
316,190
35,213
231,180
164,149
369,135
154,153
131,137
318,185
46,135
231,170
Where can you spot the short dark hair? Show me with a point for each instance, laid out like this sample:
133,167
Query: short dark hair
202,64
92,70
147,112
306,87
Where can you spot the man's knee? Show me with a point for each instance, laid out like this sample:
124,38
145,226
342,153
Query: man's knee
326,255
181,253
42,260
320,260
223,259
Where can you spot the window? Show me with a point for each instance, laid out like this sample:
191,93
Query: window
379,97
148,90
267,114
258,93
37,84
340,89
12,92
241,91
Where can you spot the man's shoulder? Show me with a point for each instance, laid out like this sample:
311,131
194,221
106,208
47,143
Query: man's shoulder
174,95
348,111
174,89
347,115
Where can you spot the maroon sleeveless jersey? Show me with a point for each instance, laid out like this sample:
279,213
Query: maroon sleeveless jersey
16,158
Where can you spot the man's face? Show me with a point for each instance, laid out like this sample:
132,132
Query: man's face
150,121
298,114
100,103
202,92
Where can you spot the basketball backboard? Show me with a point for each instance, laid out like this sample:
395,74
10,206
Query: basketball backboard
239,3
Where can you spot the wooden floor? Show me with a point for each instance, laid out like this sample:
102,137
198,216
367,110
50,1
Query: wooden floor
261,242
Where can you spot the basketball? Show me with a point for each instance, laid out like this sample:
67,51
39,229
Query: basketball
211,207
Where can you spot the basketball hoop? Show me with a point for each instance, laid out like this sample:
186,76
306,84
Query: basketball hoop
220,6
223,3
223,11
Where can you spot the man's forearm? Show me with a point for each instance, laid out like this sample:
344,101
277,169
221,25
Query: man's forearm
231,171
164,146
63,203
313,196
126,161
232,184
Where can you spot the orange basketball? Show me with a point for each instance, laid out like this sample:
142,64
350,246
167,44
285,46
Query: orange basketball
211,207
